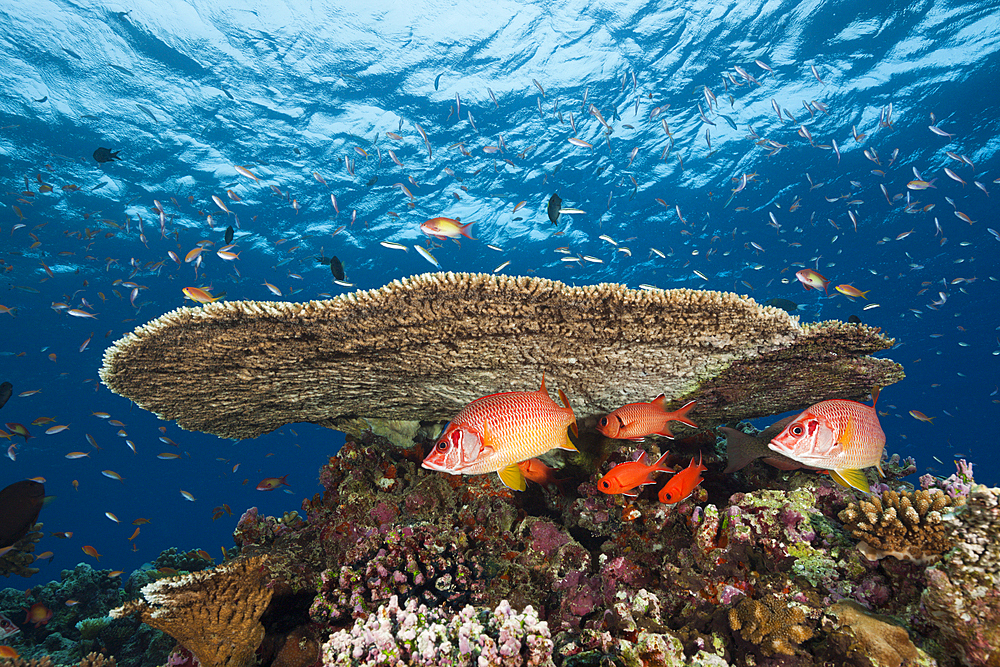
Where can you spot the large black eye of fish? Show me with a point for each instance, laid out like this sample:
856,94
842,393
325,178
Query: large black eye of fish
795,430
442,445
606,485
604,421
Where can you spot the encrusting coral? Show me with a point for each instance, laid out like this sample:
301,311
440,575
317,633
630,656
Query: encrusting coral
876,637
906,525
776,626
19,558
213,613
422,347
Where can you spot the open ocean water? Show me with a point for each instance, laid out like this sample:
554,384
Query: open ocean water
825,116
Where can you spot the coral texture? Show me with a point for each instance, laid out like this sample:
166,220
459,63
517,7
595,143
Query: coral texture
416,635
884,642
776,626
20,557
906,525
214,613
422,347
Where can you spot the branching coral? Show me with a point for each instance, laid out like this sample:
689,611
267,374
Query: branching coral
416,635
905,525
90,660
776,626
214,613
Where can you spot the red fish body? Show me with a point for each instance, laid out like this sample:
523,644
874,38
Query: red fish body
446,228
683,484
841,436
38,614
626,478
271,483
496,432
637,420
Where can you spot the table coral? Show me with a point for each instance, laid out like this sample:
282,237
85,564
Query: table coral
418,635
906,525
776,626
214,613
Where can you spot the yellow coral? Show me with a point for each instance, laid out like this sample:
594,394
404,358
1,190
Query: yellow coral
904,525
772,624
877,637
215,613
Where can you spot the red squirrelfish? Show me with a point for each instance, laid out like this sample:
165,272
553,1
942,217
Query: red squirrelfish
537,472
812,280
843,437
626,478
446,228
637,420
496,432
683,483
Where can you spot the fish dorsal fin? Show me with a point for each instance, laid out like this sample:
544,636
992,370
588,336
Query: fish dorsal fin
875,392
542,389
660,402
512,477
565,402
639,456
851,479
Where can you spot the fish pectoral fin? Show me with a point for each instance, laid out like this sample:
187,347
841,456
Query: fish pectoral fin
851,479
631,493
512,477
569,445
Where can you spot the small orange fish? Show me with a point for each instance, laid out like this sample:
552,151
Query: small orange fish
140,521
8,652
635,421
135,534
683,484
626,478
446,228
538,472
111,474
271,483
91,551
62,535
44,555
42,420
917,414
812,280
199,295
852,291
38,614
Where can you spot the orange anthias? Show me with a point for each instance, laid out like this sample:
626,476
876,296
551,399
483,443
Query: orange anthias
637,420
38,614
683,483
626,478
199,295
446,228
271,483
812,280
496,432
840,436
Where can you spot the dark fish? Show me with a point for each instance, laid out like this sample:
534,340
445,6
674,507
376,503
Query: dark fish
373,181
41,100
229,234
555,203
105,155
20,504
337,268
784,304
437,80
6,389
854,319
742,448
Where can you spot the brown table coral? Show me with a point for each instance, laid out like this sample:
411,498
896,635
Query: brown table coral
422,347
905,525
215,613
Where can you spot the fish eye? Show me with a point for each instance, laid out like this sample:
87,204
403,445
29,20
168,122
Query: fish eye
606,484
604,421
442,445
795,430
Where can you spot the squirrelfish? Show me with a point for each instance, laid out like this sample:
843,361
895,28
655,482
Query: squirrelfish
626,478
637,420
840,436
496,432
683,484
446,228
812,280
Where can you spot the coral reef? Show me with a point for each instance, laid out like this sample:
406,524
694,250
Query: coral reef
878,638
253,529
89,660
378,354
905,525
961,600
418,635
215,613
776,627
21,555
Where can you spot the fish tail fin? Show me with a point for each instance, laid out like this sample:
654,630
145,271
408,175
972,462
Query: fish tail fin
660,462
681,414
565,402
739,449
464,229
512,477
851,479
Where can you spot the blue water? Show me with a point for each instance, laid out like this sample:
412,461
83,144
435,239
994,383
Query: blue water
188,90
